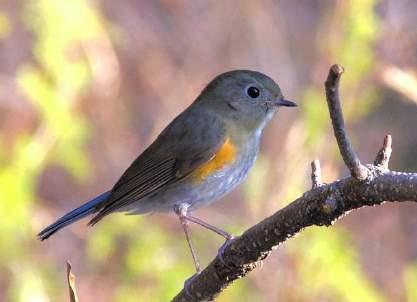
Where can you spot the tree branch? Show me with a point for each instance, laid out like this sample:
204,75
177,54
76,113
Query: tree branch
315,174
384,155
368,185
349,156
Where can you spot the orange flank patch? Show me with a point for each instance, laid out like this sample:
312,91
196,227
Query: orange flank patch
224,156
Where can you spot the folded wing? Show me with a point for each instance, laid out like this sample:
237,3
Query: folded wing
184,146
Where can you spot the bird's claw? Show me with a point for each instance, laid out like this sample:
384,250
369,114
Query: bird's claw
222,249
187,285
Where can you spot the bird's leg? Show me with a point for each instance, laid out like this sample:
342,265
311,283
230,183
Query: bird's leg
210,227
214,229
181,211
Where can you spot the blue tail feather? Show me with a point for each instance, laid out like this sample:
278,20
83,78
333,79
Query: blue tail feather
89,207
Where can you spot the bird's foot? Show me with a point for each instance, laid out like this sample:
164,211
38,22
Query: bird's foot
221,250
187,285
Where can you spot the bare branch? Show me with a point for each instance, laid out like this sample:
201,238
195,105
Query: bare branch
350,158
320,206
315,174
384,155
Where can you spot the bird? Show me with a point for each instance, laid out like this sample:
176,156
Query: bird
202,155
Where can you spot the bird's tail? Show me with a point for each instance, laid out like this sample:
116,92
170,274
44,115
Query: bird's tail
76,214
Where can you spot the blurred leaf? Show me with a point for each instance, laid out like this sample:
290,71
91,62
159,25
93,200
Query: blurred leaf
64,129
255,186
410,281
329,267
53,83
5,26
61,27
29,286
241,291
316,116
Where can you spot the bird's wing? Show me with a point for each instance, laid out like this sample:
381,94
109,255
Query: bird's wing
184,146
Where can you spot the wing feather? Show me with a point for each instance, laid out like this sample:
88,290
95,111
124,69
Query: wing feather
180,149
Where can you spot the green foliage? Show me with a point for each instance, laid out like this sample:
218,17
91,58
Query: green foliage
329,267
316,116
241,291
150,256
63,75
352,46
255,186
356,51
410,281
52,85
29,286
5,26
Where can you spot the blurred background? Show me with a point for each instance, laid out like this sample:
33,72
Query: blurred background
85,86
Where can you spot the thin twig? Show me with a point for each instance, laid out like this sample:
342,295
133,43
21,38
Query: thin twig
315,174
71,284
384,155
350,158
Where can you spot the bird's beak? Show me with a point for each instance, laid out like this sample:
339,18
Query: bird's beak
285,103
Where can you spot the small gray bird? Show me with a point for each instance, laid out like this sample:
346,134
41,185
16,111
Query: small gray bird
200,156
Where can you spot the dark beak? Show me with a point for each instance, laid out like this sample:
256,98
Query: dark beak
285,103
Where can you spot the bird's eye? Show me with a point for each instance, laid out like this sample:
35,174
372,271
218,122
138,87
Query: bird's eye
253,92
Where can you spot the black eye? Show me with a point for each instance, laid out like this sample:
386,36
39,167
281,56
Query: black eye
253,92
